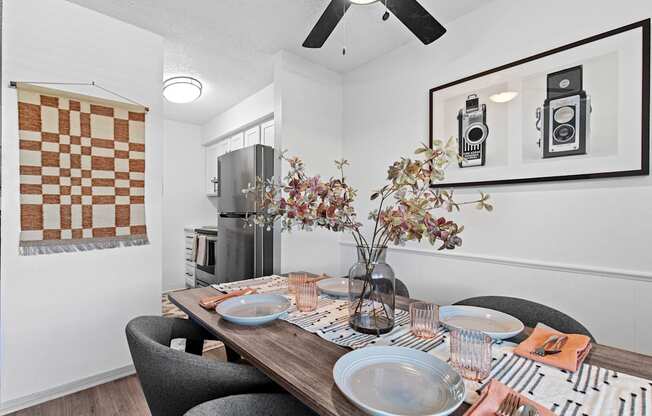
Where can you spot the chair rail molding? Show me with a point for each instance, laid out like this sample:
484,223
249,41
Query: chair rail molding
594,271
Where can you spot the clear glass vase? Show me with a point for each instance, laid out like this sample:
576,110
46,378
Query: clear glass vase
372,296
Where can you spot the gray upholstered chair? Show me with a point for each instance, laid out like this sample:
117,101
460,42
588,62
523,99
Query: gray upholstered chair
252,404
400,289
530,313
175,381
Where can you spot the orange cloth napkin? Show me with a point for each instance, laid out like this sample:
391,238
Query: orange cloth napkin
491,397
570,358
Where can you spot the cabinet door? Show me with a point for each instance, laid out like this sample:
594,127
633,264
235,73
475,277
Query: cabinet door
223,147
267,133
236,142
252,136
210,162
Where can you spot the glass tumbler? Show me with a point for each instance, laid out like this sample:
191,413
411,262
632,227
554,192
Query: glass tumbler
307,297
424,319
471,353
294,279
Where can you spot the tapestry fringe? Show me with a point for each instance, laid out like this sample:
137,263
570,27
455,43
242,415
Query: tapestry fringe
34,249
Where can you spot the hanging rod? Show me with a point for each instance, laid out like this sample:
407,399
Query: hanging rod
14,84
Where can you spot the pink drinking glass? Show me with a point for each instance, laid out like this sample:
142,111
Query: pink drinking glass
294,279
471,353
307,297
424,319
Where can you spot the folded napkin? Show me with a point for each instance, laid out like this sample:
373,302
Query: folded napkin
572,354
493,395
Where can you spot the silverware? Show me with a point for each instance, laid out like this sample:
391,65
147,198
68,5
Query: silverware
527,410
541,349
509,405
557,346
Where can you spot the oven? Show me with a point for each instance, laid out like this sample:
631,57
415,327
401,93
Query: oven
205,273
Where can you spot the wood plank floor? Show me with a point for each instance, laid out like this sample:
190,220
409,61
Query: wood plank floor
123,397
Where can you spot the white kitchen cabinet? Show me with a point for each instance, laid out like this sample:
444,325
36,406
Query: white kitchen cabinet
237,142
252,136
210,162
267,133
188,254
262,133
211,153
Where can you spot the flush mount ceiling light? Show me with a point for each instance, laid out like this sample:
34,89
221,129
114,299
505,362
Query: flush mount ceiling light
503,97
181,90
363,1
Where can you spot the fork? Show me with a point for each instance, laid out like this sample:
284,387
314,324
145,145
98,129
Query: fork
509,405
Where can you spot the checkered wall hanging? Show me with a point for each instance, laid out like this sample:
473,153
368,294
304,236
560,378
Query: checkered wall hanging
82,172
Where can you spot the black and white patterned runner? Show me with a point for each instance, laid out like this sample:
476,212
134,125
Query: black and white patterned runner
591,391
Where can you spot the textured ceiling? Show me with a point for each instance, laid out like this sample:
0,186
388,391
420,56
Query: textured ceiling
229,44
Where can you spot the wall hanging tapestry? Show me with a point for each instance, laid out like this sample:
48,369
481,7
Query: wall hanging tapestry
82,172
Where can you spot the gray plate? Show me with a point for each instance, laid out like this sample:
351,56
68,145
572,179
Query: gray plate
335,286
253,309
389,381
496,324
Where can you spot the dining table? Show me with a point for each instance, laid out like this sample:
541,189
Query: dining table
302,362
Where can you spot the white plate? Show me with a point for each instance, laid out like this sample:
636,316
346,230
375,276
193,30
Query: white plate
253,309
335,286
496,324
388,381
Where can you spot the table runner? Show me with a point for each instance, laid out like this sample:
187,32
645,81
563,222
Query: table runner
82,172
591,391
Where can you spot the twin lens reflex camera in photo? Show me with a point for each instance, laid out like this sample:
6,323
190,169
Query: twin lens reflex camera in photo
564,120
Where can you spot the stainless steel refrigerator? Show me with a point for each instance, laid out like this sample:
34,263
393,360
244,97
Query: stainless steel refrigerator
243,252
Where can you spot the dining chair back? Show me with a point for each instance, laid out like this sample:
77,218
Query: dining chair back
530,313
175,381
400,289
253,404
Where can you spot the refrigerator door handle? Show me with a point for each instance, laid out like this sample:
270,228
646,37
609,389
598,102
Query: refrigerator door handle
255,253
218,181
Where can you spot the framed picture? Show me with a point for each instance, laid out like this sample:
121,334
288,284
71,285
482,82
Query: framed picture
580,111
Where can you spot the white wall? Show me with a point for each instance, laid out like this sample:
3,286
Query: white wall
184,200
308,122
63,315
580,246
256,107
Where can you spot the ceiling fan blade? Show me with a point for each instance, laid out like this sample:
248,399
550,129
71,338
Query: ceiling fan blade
326,23
417,19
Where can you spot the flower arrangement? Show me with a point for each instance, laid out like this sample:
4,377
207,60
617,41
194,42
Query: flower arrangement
406,211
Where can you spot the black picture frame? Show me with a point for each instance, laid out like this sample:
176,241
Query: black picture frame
644,25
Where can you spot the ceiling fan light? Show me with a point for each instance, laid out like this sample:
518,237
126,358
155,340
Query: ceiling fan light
181,90
503,97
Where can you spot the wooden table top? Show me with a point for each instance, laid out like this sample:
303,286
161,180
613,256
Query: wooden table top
303,362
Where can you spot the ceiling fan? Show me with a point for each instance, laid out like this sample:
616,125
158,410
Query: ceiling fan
409,12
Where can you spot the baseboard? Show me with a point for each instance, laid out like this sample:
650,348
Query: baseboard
586,270
34,399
